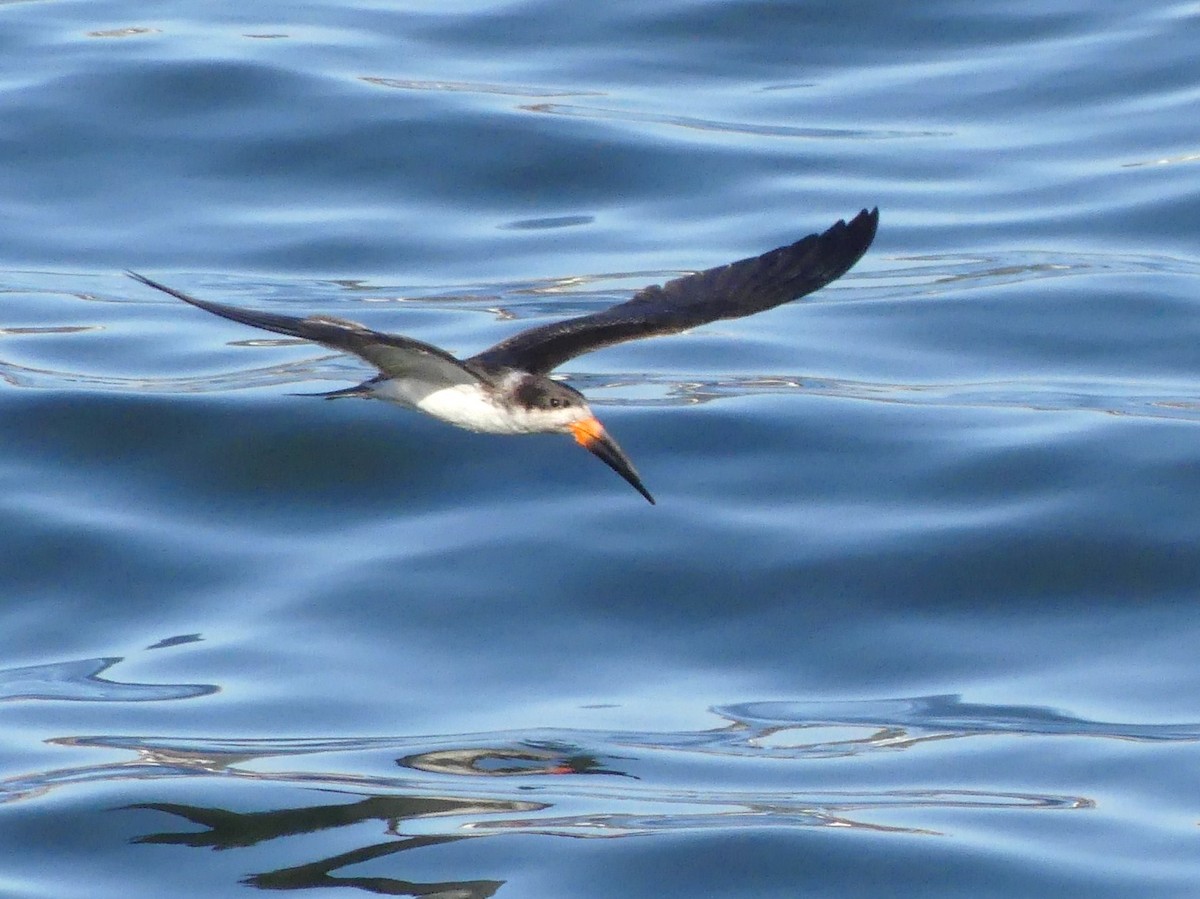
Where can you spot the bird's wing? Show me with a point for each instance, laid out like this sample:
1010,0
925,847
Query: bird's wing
730,291
392,354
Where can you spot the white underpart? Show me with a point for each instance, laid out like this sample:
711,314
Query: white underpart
472,407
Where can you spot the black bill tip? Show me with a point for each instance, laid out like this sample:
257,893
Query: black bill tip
590,434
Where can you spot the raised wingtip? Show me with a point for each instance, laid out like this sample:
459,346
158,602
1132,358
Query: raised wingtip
866,216
862,228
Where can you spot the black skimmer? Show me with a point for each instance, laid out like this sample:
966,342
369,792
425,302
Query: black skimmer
506,389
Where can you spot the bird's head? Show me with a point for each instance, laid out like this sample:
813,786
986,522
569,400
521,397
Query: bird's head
557,408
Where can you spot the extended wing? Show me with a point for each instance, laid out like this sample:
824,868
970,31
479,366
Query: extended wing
730,291
392,354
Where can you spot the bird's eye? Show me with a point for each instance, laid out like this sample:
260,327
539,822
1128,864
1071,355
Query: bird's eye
555,403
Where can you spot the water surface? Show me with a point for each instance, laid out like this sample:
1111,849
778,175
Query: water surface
915,612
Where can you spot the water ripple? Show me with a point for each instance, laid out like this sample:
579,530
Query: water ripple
725,127
566,766
476,87
80,681
427,791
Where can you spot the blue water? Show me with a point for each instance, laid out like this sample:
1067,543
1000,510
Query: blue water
916,612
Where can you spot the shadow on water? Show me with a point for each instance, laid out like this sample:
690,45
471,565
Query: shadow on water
427,791
234,830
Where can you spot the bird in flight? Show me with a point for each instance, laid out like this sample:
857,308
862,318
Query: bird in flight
507,389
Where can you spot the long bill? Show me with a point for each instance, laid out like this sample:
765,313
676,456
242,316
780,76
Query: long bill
590,434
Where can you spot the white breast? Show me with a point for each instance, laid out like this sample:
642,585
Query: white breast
464,405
